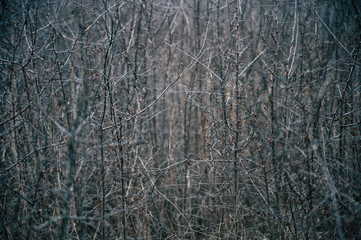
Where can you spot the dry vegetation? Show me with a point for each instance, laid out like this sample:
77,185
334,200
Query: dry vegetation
180,119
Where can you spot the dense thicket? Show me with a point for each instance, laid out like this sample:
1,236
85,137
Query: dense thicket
180,119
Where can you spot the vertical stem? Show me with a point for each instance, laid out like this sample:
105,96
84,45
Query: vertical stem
238,124
103,167
69,186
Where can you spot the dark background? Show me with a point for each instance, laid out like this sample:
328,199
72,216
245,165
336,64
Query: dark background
180,119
